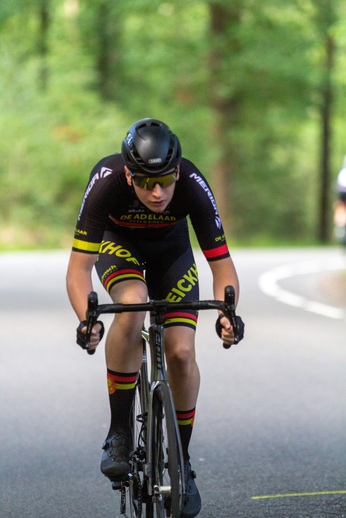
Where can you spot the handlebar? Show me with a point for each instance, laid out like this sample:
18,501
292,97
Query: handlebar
162,306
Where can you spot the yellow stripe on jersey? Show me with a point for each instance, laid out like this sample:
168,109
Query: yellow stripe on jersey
85,246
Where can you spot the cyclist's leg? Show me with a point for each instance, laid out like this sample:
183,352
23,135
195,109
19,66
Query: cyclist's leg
174,277
179,281
182,369
124,349
183,376
120,271
119,267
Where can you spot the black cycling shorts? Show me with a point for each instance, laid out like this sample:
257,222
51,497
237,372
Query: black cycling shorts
167,266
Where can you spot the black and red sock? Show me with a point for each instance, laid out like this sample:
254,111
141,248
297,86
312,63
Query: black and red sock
121,389
185,423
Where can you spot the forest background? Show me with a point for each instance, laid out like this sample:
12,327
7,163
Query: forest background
255,90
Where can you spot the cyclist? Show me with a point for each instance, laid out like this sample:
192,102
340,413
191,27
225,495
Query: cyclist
132,226
340,206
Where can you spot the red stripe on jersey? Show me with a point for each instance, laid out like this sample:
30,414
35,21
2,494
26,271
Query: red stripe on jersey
142,225
216,252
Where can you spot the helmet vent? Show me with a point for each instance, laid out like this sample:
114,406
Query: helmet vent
141,126
137,156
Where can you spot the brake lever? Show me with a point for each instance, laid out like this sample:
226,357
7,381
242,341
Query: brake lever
91,317
230,313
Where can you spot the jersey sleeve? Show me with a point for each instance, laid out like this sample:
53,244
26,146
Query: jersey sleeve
205,217
93,214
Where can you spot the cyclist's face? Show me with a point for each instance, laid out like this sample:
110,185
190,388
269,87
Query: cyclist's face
156,200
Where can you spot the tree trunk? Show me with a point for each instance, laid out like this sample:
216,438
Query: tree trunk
225,105
107,58
43,43
326,114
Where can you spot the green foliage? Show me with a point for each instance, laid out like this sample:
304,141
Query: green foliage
49,142
110,63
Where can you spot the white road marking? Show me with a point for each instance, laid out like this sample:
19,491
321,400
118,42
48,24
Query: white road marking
268,283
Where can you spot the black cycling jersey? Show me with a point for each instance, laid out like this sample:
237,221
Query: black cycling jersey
109,203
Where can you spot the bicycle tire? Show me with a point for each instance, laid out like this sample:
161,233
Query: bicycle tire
167,468
140,504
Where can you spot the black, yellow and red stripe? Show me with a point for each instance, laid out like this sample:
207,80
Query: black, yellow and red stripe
186,418
120,382
122,275
178,318
185,421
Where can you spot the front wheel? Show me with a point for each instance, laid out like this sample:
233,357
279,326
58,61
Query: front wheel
167,468
139,502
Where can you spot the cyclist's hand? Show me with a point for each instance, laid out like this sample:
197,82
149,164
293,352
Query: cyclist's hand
225,330
95,338
96,335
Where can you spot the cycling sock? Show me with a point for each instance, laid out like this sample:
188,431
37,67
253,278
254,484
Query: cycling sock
185,422
121,388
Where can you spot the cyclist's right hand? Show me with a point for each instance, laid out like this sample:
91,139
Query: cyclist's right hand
95,338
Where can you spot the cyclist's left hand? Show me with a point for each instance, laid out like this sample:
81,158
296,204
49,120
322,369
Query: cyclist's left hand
227,333
225,330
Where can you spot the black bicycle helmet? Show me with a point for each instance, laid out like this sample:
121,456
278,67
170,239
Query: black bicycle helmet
150,148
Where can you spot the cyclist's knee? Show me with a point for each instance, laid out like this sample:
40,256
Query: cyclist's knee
180,347
129,292
181,358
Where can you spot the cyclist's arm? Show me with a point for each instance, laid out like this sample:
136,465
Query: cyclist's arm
79,285
224,274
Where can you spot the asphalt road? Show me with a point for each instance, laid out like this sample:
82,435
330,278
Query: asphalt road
271,413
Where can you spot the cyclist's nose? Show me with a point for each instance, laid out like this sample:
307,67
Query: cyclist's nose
157,191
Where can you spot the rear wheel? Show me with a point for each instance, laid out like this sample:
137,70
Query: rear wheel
167,461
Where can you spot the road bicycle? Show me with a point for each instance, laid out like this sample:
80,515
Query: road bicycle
155,485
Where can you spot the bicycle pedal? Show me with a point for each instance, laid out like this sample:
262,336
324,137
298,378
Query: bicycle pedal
119,484
116,485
